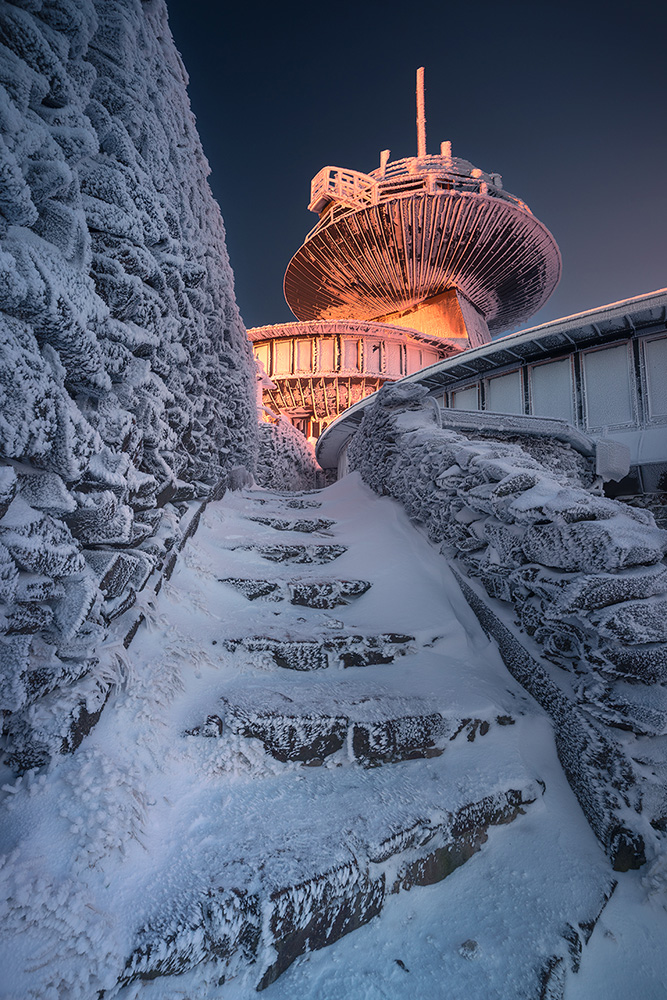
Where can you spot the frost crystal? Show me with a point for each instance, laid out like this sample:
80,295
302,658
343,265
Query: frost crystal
125,371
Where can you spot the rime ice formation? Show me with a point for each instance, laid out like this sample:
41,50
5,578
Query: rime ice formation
308,733
126,380
280,776
572,585
286,460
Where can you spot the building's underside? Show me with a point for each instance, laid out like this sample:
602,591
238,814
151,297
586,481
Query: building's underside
389,257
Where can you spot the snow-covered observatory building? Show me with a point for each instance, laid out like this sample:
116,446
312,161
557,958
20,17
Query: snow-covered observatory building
411,263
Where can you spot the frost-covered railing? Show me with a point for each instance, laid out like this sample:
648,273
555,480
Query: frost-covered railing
571,584
335,183
336,192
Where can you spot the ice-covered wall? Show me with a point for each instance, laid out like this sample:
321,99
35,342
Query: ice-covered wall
572,585
126,379
286,460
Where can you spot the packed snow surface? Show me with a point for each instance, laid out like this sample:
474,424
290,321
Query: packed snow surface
149,816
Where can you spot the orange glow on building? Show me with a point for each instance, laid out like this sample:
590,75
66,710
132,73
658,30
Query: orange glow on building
418,259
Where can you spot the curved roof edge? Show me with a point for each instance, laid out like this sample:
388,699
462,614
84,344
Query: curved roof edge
301,328
589,327
641,312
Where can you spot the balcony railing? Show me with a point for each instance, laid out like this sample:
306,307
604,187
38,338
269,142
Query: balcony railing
348,187
335,192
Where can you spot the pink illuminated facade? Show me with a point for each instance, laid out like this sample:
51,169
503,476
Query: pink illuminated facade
408,264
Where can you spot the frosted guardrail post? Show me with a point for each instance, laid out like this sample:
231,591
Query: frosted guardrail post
384,159
421,116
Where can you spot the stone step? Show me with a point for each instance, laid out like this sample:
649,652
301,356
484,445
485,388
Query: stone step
327,651
307,526
306,593
300,554
264,912
290,504
368,726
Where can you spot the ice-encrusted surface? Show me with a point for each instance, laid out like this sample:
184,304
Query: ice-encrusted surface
286,459
124,366
582,577
159,851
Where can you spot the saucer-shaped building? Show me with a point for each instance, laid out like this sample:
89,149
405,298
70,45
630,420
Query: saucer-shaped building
408,264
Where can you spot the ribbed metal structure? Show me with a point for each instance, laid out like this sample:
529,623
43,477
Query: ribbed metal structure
344,361
415,261
349,327
386,257
321,397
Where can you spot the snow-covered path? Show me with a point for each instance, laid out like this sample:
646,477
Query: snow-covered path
228,805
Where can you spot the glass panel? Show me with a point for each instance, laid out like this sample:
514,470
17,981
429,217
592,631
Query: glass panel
304,355
372,356
466,399
504,394
656,376
350,355
326,363
428,358
414,359
551,390
282,357
262,354
393,359
608,393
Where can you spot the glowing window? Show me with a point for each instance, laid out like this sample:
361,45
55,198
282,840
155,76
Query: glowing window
304,355
394,359
414,359
262,354
326,352
372,356
350,355
608,392
282,357
551,390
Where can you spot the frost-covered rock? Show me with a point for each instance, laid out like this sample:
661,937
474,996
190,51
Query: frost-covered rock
124,364
583,575
286,460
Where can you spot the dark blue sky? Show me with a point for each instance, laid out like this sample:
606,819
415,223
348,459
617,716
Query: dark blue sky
567,101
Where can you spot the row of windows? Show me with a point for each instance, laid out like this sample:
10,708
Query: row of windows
607,380
343,354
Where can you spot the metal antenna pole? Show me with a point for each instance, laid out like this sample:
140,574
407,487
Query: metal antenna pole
421,116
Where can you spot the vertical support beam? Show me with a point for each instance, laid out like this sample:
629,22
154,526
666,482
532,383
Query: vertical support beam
421,115
384,159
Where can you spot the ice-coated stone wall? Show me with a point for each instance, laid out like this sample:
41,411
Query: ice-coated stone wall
286,460
126,378
572,585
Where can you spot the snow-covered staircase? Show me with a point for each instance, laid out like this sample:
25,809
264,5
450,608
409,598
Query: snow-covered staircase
316,738
315,837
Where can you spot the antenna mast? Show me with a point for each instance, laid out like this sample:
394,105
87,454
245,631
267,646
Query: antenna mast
421,116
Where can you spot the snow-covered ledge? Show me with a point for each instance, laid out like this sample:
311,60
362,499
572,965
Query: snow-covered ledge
571,584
